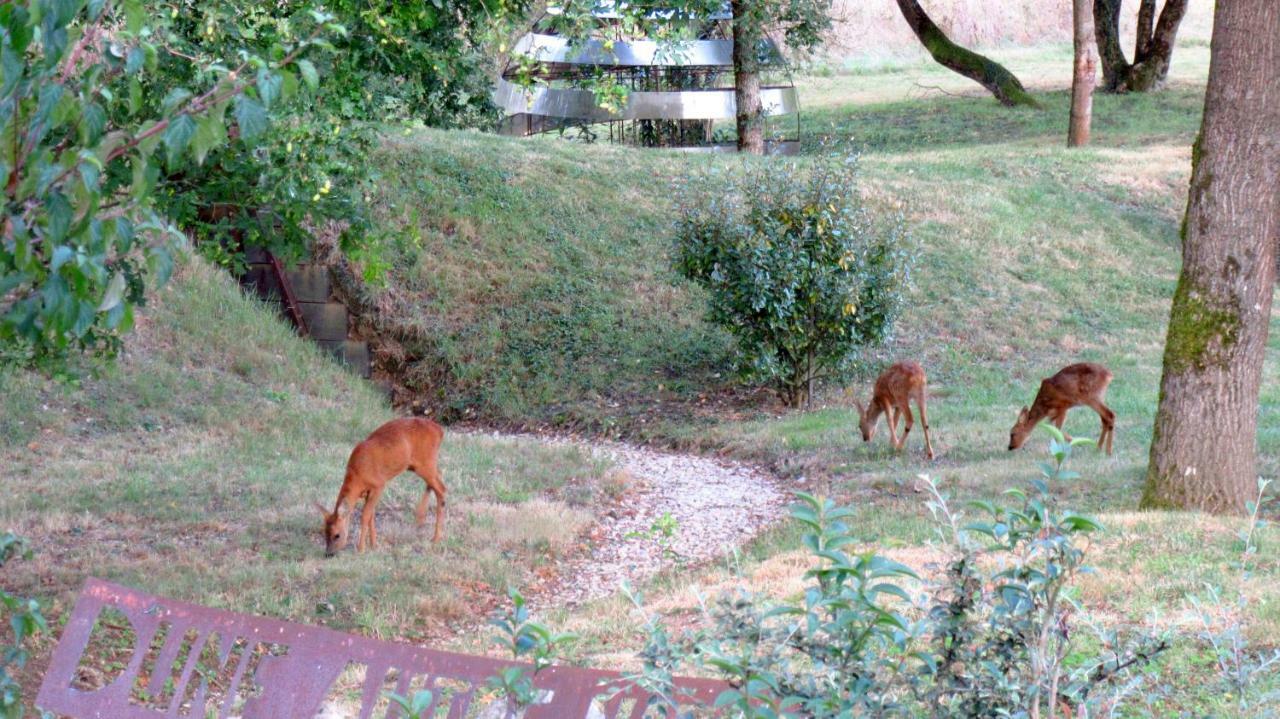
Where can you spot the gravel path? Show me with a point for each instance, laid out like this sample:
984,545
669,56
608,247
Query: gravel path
713,506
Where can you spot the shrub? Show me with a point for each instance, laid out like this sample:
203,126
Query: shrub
995,637
25,619
799,269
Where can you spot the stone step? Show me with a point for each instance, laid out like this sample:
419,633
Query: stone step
325,320
310,283
351,353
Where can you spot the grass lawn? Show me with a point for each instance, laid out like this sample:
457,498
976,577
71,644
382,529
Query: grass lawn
538,270
191,466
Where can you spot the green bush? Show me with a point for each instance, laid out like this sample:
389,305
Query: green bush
799,268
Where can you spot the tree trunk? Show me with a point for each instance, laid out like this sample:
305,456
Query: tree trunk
746,79
990,74
1146,26
1203,454
1106,27
1153,47
1151,67
1082,79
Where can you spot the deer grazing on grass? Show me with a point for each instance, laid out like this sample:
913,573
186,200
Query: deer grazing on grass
894,387
1073,386
409,443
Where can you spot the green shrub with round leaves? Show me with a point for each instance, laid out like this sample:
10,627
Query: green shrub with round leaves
799,268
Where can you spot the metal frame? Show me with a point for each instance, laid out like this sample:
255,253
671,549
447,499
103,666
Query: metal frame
286,670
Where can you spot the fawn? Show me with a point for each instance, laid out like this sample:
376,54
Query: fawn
409,443
894,387
1074,385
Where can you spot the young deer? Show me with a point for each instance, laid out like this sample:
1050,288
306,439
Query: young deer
897,385
1074,385
410,443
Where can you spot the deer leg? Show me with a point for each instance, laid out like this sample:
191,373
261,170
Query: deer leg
1058,420
366,518
1108,425
435,482
420,512
891,417
924,423
906,428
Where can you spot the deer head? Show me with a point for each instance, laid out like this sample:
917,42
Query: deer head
866,422
336,531
1021,429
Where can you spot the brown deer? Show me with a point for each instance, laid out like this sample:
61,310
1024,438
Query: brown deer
1073,386
894,387
409,443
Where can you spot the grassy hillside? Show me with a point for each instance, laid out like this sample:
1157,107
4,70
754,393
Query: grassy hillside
1032,257
190,468
537,279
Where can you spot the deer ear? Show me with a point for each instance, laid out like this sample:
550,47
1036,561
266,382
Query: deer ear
323,511
1022,413
858,404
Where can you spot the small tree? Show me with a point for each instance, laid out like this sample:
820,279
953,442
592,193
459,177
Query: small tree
798,268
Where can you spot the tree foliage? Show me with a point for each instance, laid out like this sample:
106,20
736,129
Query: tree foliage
84,144
798,268
420,62
127,123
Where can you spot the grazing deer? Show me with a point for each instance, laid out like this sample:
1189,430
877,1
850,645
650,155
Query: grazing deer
409,443
1074,385
894,387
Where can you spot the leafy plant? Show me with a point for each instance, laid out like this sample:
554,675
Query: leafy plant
798,267
994,637
527,641
26,621
84,151
663,531
1242,670
414,707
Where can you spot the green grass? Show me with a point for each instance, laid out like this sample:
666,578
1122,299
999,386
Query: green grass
534,288
1032,257
190,467
537,279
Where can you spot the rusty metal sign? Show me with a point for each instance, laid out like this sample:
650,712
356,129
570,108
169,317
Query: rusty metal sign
173,659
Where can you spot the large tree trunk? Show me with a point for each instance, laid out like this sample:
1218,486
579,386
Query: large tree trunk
1106,26
1153,46
990,74
746,79
1203,454
1082,79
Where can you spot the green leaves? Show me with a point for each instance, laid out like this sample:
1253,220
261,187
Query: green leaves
252,118
415,707
25,621
797,267
309,74
177,136
95,134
